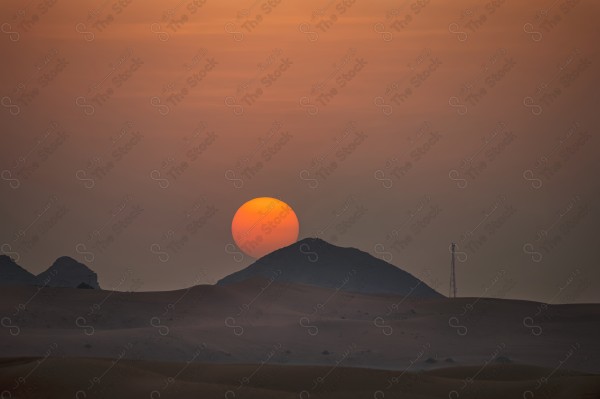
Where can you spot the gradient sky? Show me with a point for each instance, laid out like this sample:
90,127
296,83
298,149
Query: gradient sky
132,131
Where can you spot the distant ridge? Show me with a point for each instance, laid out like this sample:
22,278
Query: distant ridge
316,262
67,272
64,272
11,273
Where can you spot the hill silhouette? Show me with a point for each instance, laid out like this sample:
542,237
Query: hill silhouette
316,262
64,272
12,273
67,272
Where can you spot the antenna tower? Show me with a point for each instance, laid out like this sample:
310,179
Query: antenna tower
452,274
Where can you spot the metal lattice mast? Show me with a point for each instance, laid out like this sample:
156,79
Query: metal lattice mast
452,274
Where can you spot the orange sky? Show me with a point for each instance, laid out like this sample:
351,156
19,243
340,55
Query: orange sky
394,127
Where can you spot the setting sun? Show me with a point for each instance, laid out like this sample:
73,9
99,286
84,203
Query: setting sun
264,224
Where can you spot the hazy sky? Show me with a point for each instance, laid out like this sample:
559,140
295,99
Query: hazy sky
133,130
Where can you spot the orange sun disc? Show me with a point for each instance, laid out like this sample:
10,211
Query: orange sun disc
264,224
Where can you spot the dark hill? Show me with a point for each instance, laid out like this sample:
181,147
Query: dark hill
11,273
315,262
67,272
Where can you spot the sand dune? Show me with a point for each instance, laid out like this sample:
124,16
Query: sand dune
239,323
89,378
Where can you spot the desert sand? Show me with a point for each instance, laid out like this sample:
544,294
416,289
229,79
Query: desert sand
88,377
291,334
240,323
